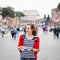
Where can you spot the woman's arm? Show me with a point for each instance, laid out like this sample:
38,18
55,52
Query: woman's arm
36,45
20,43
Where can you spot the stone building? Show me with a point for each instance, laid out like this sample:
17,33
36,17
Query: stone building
55,16
31,16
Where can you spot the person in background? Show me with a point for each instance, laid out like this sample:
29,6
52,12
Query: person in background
13,32
17,32
2,31
57,32
29,43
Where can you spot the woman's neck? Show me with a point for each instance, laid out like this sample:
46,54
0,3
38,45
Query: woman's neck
29,36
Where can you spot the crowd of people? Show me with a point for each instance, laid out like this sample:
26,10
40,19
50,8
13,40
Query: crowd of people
54,29
29,42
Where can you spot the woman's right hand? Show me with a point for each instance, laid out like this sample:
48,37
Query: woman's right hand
20,48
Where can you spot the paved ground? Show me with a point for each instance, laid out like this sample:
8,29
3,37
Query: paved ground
49,47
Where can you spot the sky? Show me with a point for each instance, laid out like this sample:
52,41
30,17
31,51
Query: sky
43,6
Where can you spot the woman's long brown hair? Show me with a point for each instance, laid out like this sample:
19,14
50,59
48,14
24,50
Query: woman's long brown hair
33,29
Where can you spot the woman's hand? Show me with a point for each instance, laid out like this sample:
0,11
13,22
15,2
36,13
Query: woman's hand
20,48
35,50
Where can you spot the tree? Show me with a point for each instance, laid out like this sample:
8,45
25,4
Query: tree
48,18
19,14
0,9
8,11
58,6
44,16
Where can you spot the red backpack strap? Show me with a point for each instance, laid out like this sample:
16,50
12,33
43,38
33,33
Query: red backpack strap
36,43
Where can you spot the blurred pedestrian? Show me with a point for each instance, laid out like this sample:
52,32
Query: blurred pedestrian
2,31
56,32
13,32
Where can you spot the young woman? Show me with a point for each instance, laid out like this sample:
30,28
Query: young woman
28,44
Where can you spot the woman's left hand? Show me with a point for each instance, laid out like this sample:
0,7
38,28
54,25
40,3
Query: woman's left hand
35,50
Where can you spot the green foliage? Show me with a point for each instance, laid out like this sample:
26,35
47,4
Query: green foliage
58,6
48,18
0,10
8,11
19,14
44,16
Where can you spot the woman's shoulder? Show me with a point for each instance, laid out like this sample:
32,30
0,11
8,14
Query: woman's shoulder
22,35
36,37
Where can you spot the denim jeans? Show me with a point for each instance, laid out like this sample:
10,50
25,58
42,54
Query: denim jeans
27,59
